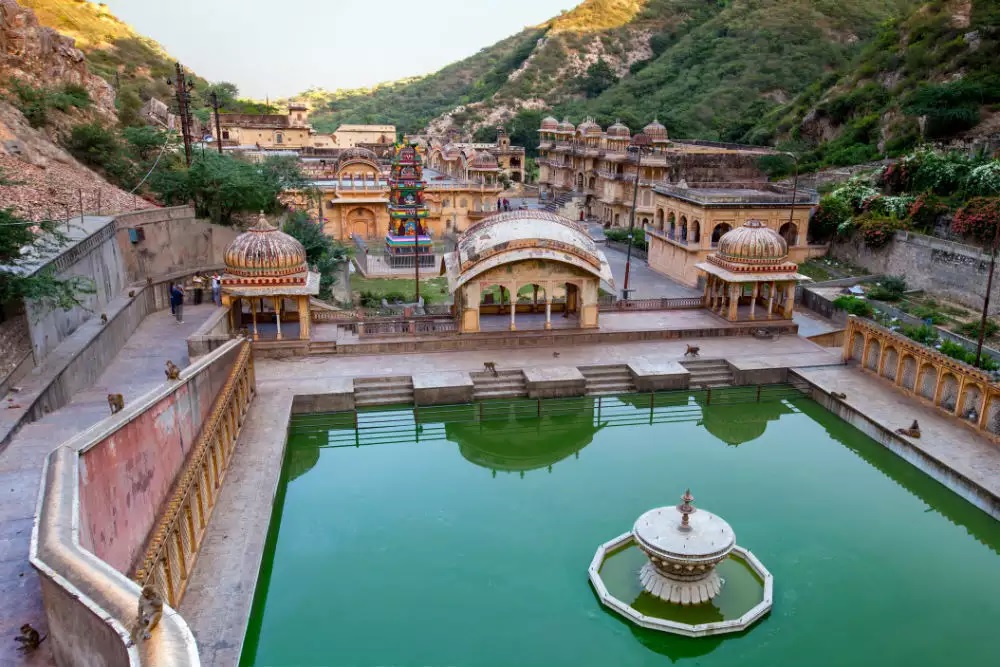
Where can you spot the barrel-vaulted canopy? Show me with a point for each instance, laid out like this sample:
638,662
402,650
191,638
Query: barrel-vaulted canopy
515,236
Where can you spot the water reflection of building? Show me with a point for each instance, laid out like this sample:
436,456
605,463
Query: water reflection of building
518,443
739,423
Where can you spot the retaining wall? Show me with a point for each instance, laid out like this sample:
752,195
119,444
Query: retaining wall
945,268
126,476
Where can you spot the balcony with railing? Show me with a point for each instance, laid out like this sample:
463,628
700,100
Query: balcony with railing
722,194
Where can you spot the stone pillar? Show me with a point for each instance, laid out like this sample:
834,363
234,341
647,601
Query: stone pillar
588,304
277,315
534,298
770,300
788,307
937,386
469,315
753,300
734,302
512,290
984,405
548,310
253,316
305,318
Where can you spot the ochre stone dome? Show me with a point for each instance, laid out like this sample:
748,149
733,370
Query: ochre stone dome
483,160
619,131
589,128
263,251
550,123
753,243
567,126
655,131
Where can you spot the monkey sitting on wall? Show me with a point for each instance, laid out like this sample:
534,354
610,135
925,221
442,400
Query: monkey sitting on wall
116,402
173,371
29,639
149,613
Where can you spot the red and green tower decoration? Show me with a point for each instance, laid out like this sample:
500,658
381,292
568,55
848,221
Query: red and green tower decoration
407,235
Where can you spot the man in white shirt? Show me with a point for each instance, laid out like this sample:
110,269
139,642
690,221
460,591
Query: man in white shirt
217,289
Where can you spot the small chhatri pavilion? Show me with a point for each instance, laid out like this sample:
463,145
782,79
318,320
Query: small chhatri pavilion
750,276
267,280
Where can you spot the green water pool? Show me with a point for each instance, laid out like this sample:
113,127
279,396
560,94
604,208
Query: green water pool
462,536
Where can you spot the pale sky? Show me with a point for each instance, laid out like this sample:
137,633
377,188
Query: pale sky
281,47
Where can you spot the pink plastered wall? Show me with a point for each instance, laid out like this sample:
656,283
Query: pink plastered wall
126,478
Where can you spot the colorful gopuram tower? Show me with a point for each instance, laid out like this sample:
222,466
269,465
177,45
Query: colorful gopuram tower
407,235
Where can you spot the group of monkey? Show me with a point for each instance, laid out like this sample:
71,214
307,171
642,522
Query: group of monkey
147,617
117,402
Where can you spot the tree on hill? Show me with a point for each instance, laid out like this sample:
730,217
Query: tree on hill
321,250
600,76
21,243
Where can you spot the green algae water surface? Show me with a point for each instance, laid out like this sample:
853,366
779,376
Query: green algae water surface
443,540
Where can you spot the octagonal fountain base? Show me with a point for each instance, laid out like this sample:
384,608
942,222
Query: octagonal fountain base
744,599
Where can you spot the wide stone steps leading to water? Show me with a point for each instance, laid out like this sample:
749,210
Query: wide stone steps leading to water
708,373
370,392
607,380
505,384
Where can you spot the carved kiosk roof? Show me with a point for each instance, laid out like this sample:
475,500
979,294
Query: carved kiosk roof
515,236
263,261
753,252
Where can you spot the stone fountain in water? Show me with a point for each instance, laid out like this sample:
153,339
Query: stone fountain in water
683,546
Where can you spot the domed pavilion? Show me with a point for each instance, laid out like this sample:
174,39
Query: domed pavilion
750,276
268,281
551,256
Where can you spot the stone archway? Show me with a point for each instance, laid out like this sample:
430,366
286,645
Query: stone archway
909,375
927,381
361,221
889,366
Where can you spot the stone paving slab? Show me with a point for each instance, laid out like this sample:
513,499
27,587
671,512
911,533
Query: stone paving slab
441,380
941,437
538,374
137,369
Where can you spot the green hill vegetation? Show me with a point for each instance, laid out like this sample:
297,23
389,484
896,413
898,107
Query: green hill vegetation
706,68
939,63
137,66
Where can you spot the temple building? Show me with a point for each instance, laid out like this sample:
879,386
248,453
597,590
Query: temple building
352,136
267,284
595,167
288,131
551,258
353,193
750,276
484,163
688,221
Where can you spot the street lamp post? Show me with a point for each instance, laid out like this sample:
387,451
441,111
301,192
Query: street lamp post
795,186
986,300
640,143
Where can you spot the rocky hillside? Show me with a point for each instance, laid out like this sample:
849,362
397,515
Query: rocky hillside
36,175
933,73
709,69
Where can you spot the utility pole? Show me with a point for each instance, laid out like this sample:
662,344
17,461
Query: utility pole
218,125
180,85
640,143
986,300
795,187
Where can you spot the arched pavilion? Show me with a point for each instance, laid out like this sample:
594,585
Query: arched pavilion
750,277
266,278
520,249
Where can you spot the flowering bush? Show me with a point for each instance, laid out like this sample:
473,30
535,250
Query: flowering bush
855,193
829,216
984,180
895,207
978,218
878,230
925,210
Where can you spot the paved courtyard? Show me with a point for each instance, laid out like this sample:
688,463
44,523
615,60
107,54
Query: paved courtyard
137,369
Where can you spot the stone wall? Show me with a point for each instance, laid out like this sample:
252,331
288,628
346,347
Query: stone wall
99,258
169,240
951,270
126,476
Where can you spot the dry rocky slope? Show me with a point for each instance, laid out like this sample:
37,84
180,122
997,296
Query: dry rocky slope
38,177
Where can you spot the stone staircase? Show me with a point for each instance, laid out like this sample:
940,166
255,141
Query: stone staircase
554,205
607,380
321,347
709,373
369,392
505,384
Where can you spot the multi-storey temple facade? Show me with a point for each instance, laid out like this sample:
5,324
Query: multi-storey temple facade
488,163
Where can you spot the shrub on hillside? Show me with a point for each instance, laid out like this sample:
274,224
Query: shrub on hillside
35,103
971,329
830,214
925,211
854,305
99,147
877,230
984,180
890,206
923,334
890,288
978,219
